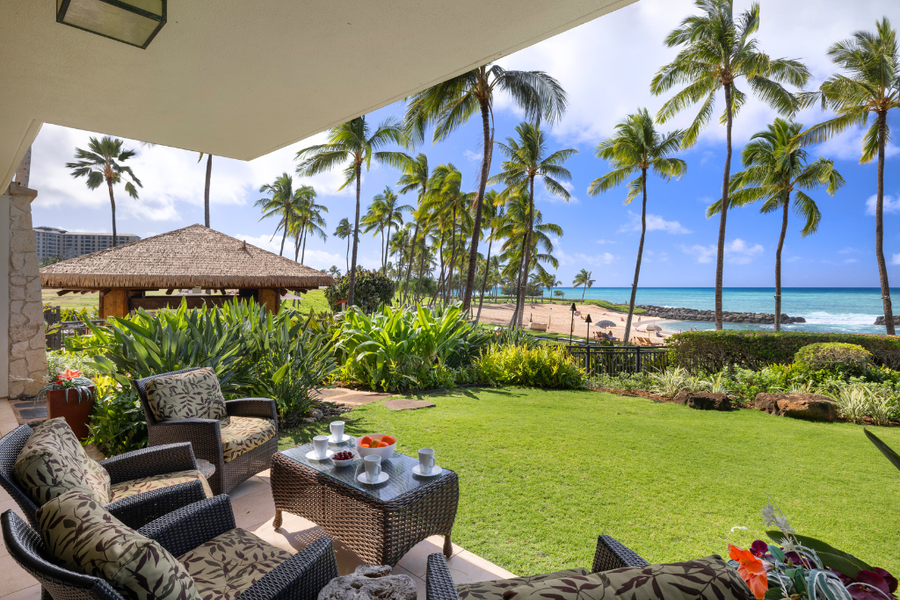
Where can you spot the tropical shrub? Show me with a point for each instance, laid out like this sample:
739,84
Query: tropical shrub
627,382
399,349
372,290
541,366
117,422
60,360
712,351
858,400
841,359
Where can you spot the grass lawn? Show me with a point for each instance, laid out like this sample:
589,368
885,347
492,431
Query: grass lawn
314,299
542,473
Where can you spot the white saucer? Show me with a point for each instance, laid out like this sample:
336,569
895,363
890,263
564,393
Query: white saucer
364,478
435,470
344,439
311,455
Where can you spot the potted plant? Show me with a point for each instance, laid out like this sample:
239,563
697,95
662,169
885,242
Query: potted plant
71,396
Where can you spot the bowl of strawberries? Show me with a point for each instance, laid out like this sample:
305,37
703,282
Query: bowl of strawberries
380,444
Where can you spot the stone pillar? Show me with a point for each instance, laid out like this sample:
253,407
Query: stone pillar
26,338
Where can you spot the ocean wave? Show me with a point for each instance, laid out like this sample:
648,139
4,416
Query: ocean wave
825,318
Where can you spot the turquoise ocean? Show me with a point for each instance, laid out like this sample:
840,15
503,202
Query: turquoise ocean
850,310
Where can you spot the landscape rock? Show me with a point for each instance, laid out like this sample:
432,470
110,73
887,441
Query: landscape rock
810,407
370,583
315,414
704,401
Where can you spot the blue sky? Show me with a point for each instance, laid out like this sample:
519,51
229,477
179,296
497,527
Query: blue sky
606,67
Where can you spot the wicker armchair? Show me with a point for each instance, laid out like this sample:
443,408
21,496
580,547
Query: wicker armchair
610,554
298,578
135,511
205,436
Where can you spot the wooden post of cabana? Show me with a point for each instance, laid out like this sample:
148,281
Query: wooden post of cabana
148,273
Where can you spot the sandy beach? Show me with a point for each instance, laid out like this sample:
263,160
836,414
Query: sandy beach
559,317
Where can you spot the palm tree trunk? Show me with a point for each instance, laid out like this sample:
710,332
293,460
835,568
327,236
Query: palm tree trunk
347,256
206,192
449,288
720,252
112,204
297,246
637,265
355,233
487,268
383,262
526,263
440,289
879,229
784,224
583,290
518,283
412,257
476,229
421,270
387,248
284,236
303,254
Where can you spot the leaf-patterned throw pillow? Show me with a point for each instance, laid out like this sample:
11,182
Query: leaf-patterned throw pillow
707,578
191,395
83,537
51,463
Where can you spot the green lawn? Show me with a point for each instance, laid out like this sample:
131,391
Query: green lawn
314,299
542,473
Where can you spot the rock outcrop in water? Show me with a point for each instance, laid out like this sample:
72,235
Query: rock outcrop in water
880,320
692,314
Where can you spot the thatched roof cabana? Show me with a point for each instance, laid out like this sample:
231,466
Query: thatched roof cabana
192,257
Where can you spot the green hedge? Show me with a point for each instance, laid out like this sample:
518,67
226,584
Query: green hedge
714,350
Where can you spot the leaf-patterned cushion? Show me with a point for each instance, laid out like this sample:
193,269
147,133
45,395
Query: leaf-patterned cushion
245,433
493,590
154,482
51,463
707,578
191,395
85,538
98,478
228,564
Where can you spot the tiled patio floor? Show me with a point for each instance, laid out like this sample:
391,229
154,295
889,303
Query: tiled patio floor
254,511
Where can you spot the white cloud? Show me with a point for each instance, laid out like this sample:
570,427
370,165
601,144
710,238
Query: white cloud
542,195
793,259
737,252
594,260
473,156
654,223
315,258
606,242
849,250
891,205
895,259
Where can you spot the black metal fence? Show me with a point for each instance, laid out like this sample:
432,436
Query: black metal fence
58,331
614,360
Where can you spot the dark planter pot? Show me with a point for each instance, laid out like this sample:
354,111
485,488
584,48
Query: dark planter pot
64,403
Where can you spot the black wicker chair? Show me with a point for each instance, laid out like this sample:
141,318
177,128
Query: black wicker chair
135,511
298,578
206,439
610,554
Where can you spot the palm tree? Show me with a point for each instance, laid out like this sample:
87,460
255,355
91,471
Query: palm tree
637,147
583,278
445,198
343,232
871,85
512,227
492,208
206,189
308,219
450,104
526,159
103,162
776,167
282,202
719,50
384,214
353,146
415,178
547,281
334,271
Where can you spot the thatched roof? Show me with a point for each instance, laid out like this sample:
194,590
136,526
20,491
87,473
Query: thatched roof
184,258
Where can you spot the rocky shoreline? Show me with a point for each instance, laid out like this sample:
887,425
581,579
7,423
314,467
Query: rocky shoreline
880,320
692,314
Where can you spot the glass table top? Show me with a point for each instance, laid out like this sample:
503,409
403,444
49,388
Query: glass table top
399,468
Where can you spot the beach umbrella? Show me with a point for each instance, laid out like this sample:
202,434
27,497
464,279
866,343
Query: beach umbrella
605,324
653,327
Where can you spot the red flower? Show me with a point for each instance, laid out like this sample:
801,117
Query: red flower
70,374
751,569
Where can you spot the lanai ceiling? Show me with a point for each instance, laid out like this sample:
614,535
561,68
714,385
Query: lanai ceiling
241,78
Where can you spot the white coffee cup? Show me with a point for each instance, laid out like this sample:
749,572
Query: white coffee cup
373,466
337,430
426,460
320,444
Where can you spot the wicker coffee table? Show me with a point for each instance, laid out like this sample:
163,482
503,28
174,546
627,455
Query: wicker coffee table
380,523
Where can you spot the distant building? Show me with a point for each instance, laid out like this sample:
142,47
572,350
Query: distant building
53,242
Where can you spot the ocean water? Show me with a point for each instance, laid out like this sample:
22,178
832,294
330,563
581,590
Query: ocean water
850,310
